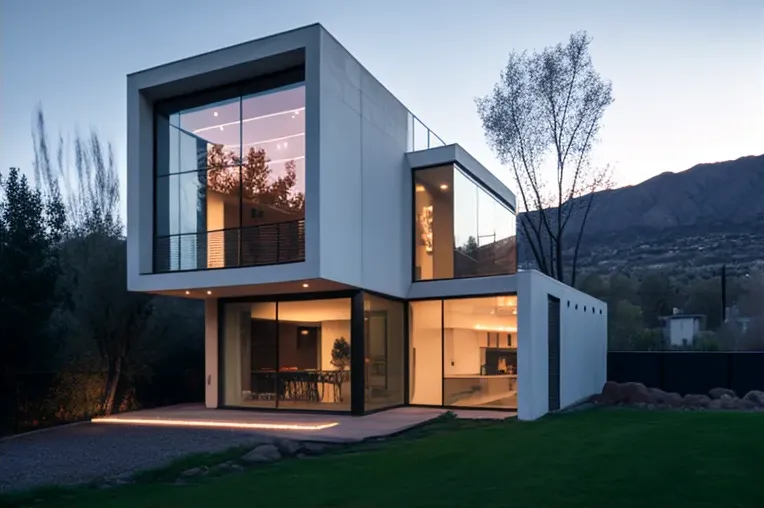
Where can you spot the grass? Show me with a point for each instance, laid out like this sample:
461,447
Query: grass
596,458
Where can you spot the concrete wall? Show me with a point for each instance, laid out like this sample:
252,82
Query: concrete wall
683,329
583,344
211,353
365,182
199,73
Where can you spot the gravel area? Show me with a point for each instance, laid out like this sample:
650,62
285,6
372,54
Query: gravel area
80,453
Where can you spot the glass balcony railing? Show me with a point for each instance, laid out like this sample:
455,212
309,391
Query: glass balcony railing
420,137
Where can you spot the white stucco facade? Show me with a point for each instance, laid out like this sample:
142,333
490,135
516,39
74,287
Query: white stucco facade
362,147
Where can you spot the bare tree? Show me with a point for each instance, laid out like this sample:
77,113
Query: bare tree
542,119
96,311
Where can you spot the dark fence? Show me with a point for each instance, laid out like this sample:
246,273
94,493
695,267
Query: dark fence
689,371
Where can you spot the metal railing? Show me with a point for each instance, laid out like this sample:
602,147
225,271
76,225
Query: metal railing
266,244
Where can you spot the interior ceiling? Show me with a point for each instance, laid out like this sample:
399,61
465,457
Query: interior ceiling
433,178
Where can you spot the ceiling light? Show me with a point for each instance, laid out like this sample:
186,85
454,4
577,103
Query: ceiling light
420,188
215,113
221,127
188,292
303,332
286,144
209,292
443,186
296,111
305,285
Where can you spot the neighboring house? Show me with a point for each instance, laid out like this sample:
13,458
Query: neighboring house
348,258
681,329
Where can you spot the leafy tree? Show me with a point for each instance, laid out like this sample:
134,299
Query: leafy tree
30,229
624,321
470,247
542,119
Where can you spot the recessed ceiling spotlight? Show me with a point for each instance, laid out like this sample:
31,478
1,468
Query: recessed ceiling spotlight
188,292
420,188
221,127
209,292
305,285
443,186
297,112
215,113
286,144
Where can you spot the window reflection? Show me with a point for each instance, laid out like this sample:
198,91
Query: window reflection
461,229
384,347
231,182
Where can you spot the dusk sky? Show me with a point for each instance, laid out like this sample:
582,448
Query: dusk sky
688,75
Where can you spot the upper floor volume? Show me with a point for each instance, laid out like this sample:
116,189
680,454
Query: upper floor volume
282,161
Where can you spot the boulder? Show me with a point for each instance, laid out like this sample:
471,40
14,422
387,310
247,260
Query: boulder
658,395
673,399
289,446
734,404
636,393
717,393
756,397
314,448
696,401
611,394
263,453
715,405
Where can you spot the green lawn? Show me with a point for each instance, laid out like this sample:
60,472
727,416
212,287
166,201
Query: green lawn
609,458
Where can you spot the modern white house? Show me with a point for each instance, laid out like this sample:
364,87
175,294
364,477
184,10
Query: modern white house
348,258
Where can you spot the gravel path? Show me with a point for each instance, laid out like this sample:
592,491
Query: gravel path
80,453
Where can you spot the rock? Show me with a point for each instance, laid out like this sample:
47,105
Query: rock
288,446
673,399
715,405
314,448
636,393
263,453
755,396
666,398
195,471
695,400
611,394
716,393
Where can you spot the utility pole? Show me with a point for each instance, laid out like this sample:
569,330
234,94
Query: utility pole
724,294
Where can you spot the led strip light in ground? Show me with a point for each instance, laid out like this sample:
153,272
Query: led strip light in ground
215,424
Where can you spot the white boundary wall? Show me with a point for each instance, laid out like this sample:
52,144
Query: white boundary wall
583,344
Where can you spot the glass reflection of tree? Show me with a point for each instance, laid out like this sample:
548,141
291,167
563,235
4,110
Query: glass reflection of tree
257,183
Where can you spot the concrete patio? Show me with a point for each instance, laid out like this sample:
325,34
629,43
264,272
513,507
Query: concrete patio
299,426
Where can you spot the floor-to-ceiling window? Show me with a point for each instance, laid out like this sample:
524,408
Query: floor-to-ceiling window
230,181
426,352
384,347
462,230
463,352
287,354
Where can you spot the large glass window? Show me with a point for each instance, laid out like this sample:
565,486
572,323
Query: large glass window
462,230
230,182
426,352
384,349
293,355
480,352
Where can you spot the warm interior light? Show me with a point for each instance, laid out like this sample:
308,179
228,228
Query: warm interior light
420,188
496,328
443,186
303,332
188,292
305,285
209,292
215,424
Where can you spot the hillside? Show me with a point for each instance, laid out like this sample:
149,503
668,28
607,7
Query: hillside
691,221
